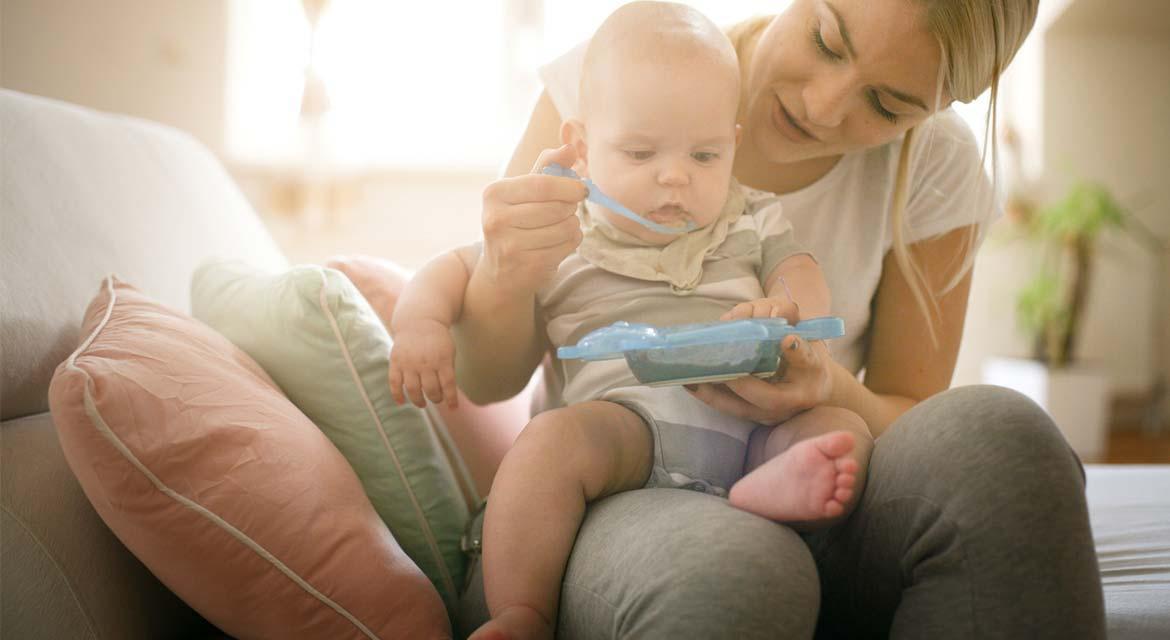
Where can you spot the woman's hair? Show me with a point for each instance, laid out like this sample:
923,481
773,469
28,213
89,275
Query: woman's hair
977,38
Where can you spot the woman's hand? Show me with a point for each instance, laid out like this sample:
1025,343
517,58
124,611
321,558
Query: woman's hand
803,381
530,224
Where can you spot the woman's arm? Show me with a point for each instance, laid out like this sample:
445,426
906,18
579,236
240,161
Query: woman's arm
903,366
529,226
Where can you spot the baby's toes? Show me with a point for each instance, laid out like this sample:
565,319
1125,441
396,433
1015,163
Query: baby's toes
833,508
847,466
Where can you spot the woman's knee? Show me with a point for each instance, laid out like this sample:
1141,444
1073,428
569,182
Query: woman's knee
980,429
692,567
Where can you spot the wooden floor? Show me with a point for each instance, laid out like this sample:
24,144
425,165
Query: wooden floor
1133,446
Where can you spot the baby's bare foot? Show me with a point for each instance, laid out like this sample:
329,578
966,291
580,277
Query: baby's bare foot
517,622
812,480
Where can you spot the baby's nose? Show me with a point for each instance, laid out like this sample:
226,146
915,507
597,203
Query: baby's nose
674,174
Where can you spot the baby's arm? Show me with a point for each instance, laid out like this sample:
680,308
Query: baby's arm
422,360
795,290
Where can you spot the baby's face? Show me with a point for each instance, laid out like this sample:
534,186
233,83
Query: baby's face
661,141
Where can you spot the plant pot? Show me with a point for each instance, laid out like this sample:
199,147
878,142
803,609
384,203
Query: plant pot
1077,398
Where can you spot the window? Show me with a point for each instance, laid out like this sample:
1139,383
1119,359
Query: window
426,85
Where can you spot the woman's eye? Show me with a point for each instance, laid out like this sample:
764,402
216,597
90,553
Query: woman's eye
639,154
881,111
705,156
821,46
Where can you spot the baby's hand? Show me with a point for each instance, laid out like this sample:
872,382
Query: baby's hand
422,361
780,307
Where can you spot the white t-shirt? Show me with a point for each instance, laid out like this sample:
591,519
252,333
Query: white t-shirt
844,218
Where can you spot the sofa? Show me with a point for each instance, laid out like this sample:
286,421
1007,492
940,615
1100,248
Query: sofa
85,194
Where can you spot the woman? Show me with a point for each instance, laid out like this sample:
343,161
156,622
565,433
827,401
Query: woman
973,523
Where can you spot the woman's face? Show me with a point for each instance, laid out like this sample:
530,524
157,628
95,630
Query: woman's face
832,76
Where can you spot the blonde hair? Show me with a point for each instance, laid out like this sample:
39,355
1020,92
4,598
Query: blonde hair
977,38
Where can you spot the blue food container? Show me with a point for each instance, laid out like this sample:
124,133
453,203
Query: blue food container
705,352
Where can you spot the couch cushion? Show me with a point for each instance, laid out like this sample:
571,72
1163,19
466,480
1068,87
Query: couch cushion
83,194
314,333
65,575
204,470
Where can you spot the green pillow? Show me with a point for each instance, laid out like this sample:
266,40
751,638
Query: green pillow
323,344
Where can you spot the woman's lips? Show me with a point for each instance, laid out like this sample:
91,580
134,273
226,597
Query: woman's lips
786,124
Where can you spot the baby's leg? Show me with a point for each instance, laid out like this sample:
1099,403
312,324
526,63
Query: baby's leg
564,459
806,472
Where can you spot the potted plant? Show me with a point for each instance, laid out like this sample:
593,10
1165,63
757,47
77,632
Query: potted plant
1051,307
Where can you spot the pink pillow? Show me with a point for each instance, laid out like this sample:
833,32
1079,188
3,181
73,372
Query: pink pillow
237,502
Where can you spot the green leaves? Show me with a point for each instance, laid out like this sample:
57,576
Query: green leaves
1050,304
1085,211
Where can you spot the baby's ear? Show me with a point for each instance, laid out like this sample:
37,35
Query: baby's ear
573,134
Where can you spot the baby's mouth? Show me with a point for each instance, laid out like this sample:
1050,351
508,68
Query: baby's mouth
669,215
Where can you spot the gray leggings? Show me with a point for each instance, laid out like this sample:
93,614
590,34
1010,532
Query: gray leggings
973,524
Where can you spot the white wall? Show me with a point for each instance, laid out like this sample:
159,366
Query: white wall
1104,115
158,59
1116,84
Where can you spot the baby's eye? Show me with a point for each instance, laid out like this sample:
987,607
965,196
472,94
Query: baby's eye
639,154
705,156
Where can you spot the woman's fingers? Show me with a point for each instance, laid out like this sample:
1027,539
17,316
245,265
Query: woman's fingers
800,383
776,402
535,187
536,215
565,155
552,235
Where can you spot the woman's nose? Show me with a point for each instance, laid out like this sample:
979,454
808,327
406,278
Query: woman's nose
826,99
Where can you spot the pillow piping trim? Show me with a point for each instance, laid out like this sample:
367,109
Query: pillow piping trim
454,457
429,535
99,423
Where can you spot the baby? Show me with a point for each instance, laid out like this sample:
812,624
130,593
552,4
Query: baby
657,132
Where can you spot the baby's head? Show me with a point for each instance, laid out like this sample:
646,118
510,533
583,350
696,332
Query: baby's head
657,130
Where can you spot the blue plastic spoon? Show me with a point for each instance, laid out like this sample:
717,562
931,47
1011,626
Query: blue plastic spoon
600,198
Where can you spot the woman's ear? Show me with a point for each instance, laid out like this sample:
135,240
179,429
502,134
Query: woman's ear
573,134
